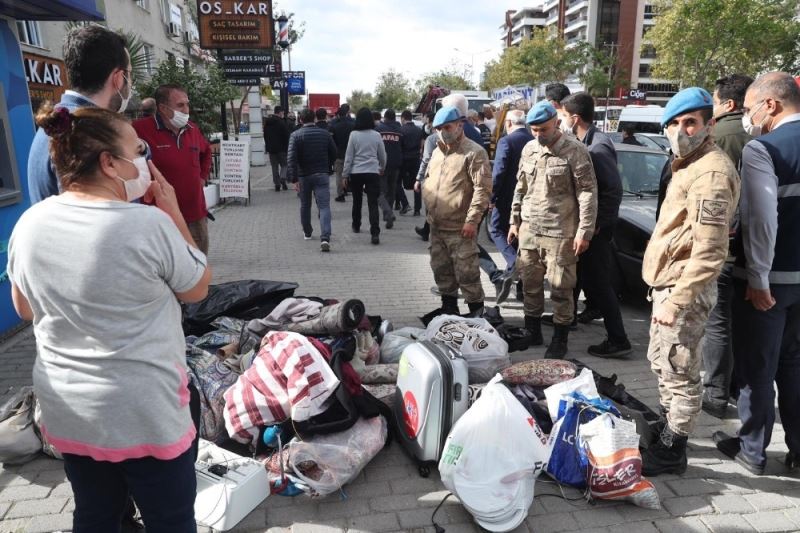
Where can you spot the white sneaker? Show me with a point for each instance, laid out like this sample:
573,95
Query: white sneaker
306,237
325,246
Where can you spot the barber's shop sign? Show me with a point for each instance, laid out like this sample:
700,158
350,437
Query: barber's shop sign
46,77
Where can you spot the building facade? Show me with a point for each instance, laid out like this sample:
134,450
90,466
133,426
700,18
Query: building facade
520,24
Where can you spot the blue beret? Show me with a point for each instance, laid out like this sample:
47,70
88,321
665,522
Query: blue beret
684,101
541,112
445,115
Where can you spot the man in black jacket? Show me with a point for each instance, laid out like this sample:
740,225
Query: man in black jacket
341,127
412,150
392,136
595,265
276,139
311,154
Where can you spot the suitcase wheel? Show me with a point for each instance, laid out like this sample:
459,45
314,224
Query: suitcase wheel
424,470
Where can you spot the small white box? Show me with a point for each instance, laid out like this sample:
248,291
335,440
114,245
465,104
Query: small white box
226,496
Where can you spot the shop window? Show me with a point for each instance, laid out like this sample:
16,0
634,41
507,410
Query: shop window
149,59
29,33
10,192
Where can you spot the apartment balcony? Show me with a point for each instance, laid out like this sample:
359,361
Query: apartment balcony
575,24
549,4
576,6
528,21
552,19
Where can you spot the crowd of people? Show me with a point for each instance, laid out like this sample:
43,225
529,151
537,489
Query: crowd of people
127,199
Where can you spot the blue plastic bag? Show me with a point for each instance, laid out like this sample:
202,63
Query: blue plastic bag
567,462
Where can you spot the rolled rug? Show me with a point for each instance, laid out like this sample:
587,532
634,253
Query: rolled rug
332,319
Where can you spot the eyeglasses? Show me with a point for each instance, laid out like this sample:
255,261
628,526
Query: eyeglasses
748,111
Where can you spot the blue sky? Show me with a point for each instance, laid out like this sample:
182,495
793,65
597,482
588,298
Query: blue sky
348,43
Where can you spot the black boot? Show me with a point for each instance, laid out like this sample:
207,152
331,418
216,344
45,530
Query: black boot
558,346
475,310
424,231
534,326
449,305
667,455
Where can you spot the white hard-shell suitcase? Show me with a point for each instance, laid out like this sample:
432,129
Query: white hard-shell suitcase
432,393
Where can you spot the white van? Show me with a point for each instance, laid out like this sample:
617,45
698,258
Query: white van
643,118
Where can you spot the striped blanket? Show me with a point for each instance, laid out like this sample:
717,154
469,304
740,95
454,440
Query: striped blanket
289,378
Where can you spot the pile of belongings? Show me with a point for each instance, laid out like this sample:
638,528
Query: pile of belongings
553,412
516,338
284,377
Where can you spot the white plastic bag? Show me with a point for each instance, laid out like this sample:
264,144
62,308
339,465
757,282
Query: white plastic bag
583,383
492,457
19,442
327,462
611,445
395,342
485,351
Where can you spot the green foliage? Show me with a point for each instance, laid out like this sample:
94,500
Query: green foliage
451,78
698,41
603,73
206,91
393,90
359,99
544,57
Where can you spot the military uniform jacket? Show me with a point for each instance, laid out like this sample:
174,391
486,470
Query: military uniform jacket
690,241
457,186
556,193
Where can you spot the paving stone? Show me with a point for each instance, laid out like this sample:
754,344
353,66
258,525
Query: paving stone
49,523
413,485
387,473
633,513
14,526
731,504
729,523
695,486
638,527
315,528
687,506
374,522
24,492
598,517
552,523
763,501
771,521
26,508
344,509
286,516
397,502
690,524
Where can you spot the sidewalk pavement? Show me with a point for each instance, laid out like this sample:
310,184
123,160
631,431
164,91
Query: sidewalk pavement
264,240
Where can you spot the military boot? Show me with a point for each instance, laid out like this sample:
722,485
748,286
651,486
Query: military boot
533,324
450,305
475,310
558,345
667,455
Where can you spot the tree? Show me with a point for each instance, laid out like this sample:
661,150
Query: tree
544,57
206,91
453,78
603,74
393,90
698,41
359,99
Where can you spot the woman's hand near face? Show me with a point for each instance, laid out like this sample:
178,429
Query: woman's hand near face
162,193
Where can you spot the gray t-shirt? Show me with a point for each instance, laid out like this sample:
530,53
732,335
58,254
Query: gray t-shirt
111,371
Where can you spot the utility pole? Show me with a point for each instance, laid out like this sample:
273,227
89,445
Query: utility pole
611,71
223,117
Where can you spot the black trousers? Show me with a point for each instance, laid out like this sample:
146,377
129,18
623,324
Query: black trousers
369,184
594,277
408,175
766,352
717,351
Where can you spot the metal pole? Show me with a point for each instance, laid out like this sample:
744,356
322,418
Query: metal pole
223,116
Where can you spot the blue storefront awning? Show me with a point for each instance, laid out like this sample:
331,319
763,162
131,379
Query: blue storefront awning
51,9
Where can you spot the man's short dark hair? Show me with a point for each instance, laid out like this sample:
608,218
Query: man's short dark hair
321,113
556,92
581,104
406,115
389,114
344,110
278,109
163,92
307,116
733,88
92,53
376,115
481,115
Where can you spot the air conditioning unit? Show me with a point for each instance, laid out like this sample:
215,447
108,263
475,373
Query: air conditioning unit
174,29
187,37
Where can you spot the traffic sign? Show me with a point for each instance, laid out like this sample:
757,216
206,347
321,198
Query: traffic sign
295,81
244,70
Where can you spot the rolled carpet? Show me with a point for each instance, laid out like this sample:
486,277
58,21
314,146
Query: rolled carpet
332,319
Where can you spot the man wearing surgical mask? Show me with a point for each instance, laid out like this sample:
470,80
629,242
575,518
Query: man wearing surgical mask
182,154
99,73
681,264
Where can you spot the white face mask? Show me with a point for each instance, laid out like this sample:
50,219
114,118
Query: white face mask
747,123
179,120
136,187
450,137
123,105
682,144
567,125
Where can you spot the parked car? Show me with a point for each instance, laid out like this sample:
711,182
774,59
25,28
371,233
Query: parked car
640,169
660,139
648,141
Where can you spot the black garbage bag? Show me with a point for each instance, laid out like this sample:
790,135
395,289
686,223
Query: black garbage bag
246,299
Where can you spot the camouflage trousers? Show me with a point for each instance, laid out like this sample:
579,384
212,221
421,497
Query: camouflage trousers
454,261
551,258
675,355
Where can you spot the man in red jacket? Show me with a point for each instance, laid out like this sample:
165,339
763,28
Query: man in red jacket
182,154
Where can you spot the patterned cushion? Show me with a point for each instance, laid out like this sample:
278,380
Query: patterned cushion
540,372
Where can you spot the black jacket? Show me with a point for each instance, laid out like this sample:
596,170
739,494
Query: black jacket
341,127
412,140
311,151
276,135
609,183
392,135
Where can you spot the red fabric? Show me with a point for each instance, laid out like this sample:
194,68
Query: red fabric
183,160
350,378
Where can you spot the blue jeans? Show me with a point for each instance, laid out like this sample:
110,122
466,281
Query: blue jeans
717,351
164,491
319,185
498,229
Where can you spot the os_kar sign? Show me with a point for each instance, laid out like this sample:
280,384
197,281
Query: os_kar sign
235,23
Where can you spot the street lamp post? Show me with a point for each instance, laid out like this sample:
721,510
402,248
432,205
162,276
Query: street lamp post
472,58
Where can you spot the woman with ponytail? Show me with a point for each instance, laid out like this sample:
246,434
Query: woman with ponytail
101,278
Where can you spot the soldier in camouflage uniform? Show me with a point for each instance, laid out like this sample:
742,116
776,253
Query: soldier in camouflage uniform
553,215
683,259
456,191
